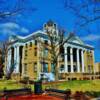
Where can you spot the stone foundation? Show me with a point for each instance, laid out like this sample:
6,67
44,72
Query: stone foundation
78,76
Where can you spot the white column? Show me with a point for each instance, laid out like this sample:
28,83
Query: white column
71,52
17,59
65,60
15,54
82,55
78,62
9,60
23,62
93,61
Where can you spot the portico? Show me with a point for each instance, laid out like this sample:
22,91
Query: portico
78,63
14,59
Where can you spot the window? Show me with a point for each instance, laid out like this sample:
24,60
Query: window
89,69
75,68
55,25
35,67
46,42
69,68
25,69
46,52
52,68
35,51
30,44
26,45
44,26
35,42
62,68
45,67
25,52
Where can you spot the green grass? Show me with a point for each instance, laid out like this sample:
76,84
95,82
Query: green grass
81,85
9,84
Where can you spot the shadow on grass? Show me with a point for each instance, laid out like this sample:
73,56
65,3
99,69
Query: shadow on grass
93,93
88,95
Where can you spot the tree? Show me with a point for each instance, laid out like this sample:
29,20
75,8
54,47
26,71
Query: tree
7,11
1,70
4,53
7,73
14,8
1,65
87,13
56,41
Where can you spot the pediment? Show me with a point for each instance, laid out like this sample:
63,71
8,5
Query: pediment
76,40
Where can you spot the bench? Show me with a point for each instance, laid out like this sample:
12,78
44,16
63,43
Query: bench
64,94
16,92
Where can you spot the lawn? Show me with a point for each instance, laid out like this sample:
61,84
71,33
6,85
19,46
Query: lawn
81,85
9,84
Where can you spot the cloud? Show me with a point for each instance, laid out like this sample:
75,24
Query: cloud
11,28
91,37
24,30
9,25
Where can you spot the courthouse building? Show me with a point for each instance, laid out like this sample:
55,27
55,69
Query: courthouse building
30,61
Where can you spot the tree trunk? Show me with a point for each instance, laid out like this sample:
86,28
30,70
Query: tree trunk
56,72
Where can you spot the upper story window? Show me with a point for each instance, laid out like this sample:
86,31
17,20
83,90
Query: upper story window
55,25
25,52
26,45
44,26
25,68
45,67
46,42
35,42
46,52
35,51
52,68
30,44
35,67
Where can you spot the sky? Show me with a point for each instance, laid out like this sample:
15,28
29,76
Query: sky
38,12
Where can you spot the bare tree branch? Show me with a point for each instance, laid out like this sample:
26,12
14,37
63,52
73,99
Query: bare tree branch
19,7
90,21
85,12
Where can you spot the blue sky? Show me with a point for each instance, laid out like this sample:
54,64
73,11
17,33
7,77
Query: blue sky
28,21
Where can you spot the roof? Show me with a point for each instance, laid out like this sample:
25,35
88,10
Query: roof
73,39
15,38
